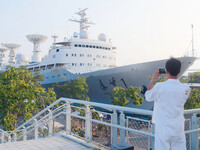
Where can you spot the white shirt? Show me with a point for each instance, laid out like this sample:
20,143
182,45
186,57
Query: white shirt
169,98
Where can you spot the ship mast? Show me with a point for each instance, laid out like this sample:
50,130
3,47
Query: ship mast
84,23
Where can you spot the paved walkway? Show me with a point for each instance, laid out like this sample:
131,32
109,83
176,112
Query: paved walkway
53,143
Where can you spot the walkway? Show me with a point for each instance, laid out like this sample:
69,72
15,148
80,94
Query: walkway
52,143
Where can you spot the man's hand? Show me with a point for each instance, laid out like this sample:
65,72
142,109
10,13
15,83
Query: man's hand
155,76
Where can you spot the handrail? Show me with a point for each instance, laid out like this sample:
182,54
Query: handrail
45,117
54,103
3,140
4,132
191,111
107,106
110,124
39,125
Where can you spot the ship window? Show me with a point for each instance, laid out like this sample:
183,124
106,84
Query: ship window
59,65
75,45
106,48
72,64
66,54
80,64
57,50
89,55
87,45
97,46
81,55
90,46
30,69
42,67
93,46
83,45
50,66
54,56
79,45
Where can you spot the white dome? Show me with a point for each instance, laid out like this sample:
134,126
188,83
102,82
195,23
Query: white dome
75,35
102,37
84,34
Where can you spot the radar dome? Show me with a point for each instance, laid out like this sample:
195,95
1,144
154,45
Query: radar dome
84,34
75,35
102,37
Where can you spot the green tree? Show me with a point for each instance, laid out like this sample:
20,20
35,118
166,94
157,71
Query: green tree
159,79
20,95
194,99
194,77
120,96
73,89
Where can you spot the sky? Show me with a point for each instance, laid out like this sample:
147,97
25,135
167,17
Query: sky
142,30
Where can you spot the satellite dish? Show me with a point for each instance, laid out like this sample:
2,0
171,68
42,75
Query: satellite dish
36,39
12,47
3,50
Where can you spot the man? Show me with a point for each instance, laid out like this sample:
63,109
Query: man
169,98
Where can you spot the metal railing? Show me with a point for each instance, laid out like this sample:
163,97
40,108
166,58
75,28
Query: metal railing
103,128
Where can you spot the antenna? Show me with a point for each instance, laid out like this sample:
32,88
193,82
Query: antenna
84,23
54,38
12,47
36,39
193,50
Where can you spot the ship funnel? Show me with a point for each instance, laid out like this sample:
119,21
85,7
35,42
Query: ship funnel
36,40
2,56
12,47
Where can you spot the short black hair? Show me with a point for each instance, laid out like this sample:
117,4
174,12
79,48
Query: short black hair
173,66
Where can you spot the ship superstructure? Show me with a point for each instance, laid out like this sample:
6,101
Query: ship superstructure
79,54
94,59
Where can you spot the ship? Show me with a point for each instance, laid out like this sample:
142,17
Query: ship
81,56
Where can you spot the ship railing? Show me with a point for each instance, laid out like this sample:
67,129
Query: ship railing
100,124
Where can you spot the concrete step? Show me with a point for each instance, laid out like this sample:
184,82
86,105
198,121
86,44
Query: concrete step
51,143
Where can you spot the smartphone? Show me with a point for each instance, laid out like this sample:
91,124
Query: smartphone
162,71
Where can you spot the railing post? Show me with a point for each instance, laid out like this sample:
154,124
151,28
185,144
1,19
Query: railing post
122,123
36,128
153,138
68,118
9,138
195,140
2,136
50,123
24,134
88,125
14,137
149,138
114,135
